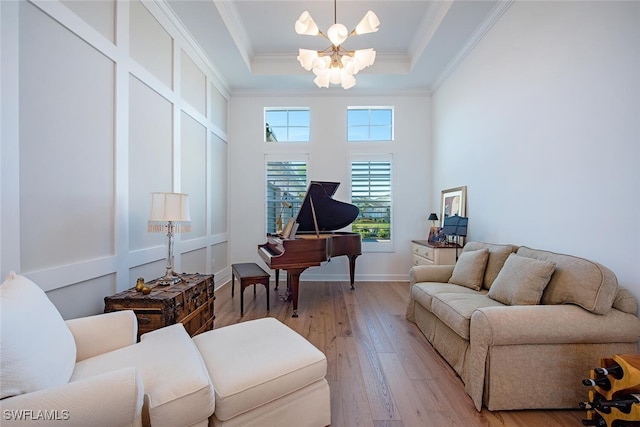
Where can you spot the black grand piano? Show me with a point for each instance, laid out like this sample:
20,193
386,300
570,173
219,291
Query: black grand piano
315,240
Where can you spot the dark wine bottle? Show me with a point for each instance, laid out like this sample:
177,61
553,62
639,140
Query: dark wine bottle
602,382
596,421
623,403
615,371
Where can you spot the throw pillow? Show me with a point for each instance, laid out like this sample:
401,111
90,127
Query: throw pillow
37,350
469,269
521,281
625,301
576,280
497,256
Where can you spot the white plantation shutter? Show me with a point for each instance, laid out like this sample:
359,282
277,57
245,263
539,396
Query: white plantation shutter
286,187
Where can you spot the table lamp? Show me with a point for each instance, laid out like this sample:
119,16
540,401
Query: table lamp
433,218
169,211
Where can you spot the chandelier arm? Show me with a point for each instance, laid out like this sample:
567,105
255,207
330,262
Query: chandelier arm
343,51
320,33
326,51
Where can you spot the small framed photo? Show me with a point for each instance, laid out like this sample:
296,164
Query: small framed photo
435,234
454,202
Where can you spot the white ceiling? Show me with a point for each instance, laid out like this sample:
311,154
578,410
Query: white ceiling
253,44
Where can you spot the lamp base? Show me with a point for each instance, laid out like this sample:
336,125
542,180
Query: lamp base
170,278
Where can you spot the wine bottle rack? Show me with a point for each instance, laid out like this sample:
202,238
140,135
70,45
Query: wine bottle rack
629,383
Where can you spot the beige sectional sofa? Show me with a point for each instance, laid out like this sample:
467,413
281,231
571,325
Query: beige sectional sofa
520,326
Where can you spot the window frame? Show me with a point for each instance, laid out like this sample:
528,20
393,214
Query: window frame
369,126
288,127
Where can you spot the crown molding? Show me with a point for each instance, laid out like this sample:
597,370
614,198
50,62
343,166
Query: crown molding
428,27
222,82
287,63
332,92
231,18
496,13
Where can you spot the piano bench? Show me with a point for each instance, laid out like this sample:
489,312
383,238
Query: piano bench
249,273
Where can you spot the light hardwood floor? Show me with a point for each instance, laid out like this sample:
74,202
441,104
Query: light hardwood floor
381,369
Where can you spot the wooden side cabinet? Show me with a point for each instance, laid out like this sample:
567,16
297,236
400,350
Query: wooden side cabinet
433,253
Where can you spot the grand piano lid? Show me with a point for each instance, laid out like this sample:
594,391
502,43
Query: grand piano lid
330,214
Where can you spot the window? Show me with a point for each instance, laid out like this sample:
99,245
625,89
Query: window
371,193
286,124
286,187
369,124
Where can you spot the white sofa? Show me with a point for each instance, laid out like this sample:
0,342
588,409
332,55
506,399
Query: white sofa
91,372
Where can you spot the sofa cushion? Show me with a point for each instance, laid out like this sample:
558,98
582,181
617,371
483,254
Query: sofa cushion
37,350
176,381
497,256
256,362
469,269
625,301
577,281
455,309
521,281
423,292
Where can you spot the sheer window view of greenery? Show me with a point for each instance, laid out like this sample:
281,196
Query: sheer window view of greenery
286,188
287,125
371,193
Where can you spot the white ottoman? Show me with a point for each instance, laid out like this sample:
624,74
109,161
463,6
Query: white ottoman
265,374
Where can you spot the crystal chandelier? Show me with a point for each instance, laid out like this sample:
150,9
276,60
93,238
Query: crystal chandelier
335,64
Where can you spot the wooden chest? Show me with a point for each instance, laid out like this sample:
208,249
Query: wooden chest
189,302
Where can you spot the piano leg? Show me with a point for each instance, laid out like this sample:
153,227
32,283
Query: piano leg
293,278
352,268
277,278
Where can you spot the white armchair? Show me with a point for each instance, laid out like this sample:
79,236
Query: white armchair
112,399
90,371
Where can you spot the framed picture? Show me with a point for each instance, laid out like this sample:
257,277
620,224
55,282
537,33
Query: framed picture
435,235
453,202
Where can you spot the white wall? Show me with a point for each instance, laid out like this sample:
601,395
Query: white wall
542,123
104,102
328,154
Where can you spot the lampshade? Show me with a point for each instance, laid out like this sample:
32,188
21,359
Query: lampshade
337,34
433,217
365,57
306,25
307,58
368,24
169,207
